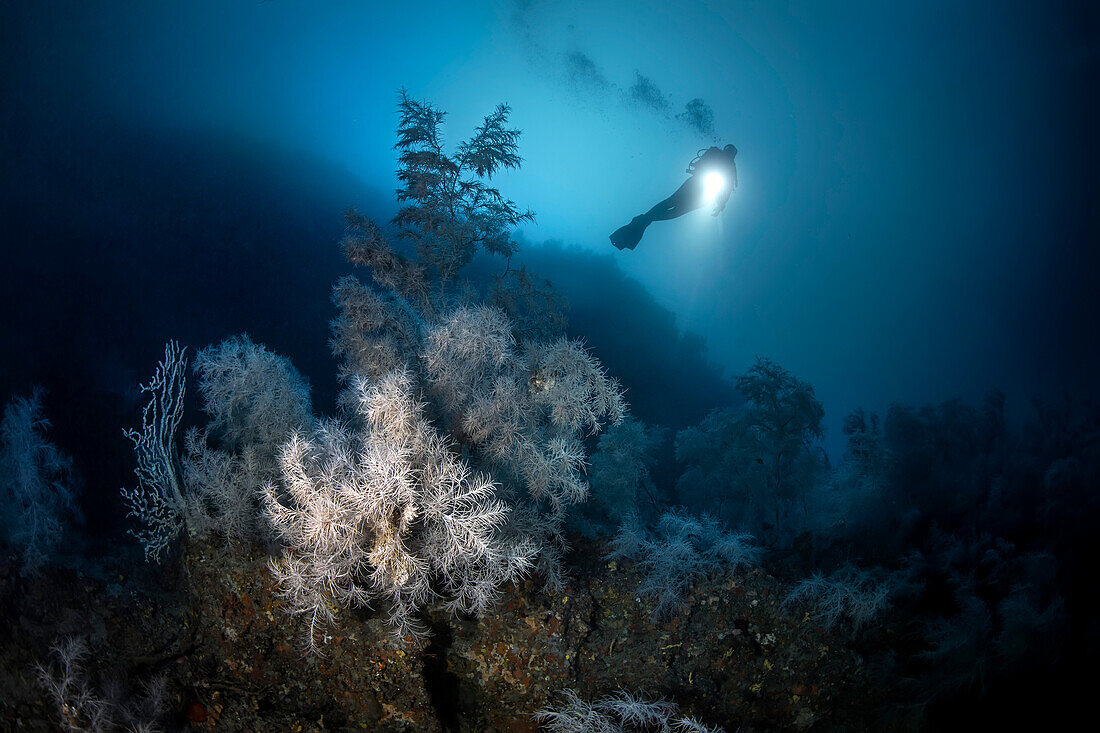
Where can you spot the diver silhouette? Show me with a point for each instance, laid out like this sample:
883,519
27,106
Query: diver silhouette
690,196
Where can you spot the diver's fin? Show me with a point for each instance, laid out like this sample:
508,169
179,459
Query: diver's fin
627,237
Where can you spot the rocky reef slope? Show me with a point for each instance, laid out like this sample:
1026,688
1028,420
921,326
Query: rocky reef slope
210,624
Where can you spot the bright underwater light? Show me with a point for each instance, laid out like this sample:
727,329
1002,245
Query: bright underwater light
712,184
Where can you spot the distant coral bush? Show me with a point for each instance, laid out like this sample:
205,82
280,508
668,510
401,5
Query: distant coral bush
622,712
1008,614
37,483
254,397
619,474
758,463
987,639
850,594
84,706
223,488
682,548
854,498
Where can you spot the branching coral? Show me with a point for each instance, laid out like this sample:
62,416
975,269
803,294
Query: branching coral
386,510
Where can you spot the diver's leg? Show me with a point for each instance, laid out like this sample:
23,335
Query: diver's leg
684,200
661,211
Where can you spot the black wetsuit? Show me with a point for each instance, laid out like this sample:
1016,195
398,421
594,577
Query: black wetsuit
687,198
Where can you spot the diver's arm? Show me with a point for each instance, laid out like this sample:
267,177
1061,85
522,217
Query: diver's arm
720,205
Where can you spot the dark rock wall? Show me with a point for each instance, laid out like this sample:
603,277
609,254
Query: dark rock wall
732,656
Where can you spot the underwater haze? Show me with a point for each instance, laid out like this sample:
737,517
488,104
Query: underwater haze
441,397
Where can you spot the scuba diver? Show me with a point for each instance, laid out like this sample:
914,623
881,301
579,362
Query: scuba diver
713,178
